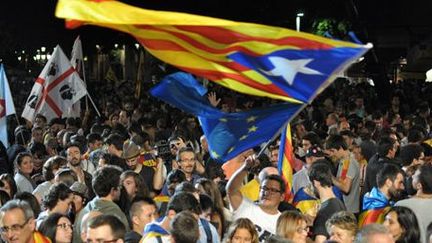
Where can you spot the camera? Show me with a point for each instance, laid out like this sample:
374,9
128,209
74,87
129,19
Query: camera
163,149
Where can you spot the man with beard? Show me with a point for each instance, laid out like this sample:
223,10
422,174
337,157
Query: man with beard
186,161
74,162
321,178
132,153
390,182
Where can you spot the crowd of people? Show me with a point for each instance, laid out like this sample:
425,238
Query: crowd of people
141,172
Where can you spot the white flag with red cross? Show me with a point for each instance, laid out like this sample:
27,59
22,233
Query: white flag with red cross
57,88
77,62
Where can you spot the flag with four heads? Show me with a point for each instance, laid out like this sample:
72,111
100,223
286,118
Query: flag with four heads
77,61
248,58
7,106
56,89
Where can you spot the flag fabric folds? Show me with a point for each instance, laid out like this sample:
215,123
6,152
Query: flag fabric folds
77,61
372,216
228,134
286,161
305,202
249,58
7,106
56,89
375,205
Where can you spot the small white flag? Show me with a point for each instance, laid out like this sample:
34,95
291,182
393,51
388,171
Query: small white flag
57,88
77,62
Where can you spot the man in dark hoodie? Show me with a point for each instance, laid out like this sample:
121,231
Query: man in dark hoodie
106,185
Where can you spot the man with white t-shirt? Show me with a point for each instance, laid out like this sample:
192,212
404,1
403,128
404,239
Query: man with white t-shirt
265,213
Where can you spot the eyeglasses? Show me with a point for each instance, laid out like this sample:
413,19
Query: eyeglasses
14,228
101,241
65,226
270,190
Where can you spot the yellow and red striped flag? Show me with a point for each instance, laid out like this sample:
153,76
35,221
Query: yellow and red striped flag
286,161
249,58
372,216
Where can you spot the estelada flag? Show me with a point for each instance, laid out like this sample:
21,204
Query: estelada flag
56,89
249,58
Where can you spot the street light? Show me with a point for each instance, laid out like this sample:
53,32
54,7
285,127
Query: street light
298,17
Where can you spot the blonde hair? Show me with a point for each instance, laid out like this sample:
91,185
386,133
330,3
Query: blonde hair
241,223
288,223
344,220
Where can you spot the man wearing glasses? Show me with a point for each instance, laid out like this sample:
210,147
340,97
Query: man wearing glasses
265,213
18,224
188,163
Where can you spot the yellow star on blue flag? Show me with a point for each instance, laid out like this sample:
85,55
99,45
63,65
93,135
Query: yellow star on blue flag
228,134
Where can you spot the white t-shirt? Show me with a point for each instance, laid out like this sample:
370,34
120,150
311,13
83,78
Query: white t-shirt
265,223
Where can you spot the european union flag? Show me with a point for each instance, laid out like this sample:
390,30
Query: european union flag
228,134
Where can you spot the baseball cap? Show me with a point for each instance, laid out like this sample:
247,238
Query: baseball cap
315,151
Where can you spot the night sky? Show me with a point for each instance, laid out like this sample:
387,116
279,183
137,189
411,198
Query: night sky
32,23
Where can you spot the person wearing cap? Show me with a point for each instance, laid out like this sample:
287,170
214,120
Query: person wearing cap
301,178
131,153
80,196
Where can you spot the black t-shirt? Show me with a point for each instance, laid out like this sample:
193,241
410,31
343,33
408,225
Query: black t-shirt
328,208
147,174
132,237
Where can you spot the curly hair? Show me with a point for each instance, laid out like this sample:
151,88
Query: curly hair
56,193
344,220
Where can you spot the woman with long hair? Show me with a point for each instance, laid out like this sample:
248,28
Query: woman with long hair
57,227
402,224
9,184
134,184
23,169
241,230
292,225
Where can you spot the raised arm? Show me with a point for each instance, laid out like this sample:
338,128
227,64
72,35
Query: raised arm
234,184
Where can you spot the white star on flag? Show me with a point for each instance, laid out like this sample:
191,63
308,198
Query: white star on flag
288,69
